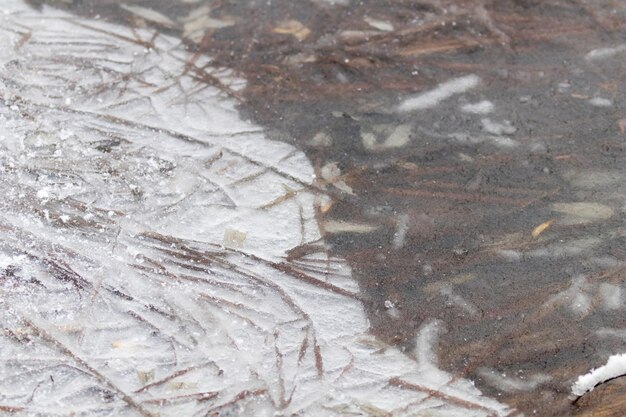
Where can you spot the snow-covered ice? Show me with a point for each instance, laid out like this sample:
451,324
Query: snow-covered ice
144,231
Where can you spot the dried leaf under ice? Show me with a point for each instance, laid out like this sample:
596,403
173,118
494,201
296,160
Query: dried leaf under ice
149,15
541,228
293,27
124,166
200,21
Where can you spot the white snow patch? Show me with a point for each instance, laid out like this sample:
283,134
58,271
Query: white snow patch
43,194
440,93
615,367
7,261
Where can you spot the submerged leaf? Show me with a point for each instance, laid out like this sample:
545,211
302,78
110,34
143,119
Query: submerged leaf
149,14
541,228
293,27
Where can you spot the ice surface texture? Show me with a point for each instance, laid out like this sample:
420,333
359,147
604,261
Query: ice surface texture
144,226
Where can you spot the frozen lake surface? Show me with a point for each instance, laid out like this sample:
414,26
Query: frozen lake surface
219,208
145,226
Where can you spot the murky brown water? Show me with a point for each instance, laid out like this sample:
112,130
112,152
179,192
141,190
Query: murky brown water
503,220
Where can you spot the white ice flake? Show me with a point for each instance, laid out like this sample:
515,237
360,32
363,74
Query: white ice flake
600,102
498,128
481,107
158,282
442,92
604,53
515,383
381,25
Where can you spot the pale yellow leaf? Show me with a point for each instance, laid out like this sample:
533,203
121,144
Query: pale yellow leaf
541,228
293,27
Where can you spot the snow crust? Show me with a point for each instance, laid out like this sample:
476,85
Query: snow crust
614,367
144,228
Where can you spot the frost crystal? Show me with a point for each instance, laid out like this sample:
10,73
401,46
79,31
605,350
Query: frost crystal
615,367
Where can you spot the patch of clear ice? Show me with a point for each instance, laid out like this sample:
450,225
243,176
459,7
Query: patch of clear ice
118,294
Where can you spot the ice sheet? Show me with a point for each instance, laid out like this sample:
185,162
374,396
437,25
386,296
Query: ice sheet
144,226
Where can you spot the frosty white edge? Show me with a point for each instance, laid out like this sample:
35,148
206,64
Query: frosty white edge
615,367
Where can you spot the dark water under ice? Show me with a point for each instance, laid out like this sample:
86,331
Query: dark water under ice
474,153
